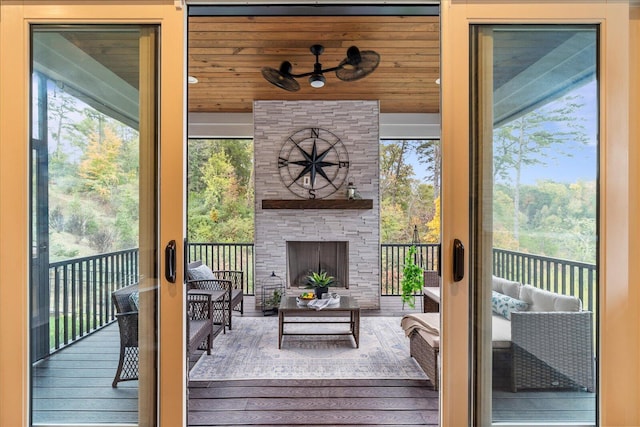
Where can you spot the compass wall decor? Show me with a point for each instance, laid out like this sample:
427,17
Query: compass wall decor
313,163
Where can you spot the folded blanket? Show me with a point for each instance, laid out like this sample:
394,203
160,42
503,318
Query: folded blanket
319,304
429,322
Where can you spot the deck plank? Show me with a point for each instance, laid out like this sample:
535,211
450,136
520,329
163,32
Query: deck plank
326,391
74,386
306,417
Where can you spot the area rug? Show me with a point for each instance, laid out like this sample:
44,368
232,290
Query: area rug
250,351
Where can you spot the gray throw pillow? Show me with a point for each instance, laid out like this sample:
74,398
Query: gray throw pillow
202,272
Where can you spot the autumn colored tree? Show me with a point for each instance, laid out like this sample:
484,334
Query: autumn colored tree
100,168
405,200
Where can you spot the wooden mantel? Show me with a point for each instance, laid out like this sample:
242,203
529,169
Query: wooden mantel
317,204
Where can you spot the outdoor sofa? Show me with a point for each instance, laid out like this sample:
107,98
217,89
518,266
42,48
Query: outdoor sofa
548,336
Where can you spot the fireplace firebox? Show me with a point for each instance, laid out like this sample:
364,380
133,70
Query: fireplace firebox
304,257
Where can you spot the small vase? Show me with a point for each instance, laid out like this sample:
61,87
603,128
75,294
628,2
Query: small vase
320,291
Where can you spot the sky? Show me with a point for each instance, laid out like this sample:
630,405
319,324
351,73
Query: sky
581,165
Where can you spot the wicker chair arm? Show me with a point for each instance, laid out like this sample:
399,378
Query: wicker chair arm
128,326
562,341
198,305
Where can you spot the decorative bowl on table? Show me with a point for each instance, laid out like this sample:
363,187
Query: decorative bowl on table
306,297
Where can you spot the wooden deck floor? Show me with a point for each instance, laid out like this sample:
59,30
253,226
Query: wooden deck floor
74,386
313,402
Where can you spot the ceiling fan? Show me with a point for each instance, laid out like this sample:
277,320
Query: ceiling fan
356,65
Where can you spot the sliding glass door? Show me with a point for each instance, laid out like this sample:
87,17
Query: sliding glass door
536,214
534,178
83,156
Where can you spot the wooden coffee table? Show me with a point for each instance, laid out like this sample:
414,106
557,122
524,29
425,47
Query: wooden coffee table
290,308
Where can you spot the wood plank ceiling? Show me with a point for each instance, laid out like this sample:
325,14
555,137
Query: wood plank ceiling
226,55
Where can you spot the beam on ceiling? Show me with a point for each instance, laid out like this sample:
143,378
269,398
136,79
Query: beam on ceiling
240,125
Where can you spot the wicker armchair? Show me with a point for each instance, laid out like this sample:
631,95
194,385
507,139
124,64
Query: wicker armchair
552,350
200,331
127,315
231,280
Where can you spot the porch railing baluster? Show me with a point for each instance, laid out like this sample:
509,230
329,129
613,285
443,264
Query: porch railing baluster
81,293
81,288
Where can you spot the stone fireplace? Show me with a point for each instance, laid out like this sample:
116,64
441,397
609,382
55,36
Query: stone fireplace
352,232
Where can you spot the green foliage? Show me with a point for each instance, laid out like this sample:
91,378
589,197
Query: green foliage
93,180
412,278
220,205
535,138
557,220
102,239
273,300
319,279
393,224
433,226
406,201
100,169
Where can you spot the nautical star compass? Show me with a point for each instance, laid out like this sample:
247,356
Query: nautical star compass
313,163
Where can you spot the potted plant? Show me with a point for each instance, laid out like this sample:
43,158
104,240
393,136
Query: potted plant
412,278
320,281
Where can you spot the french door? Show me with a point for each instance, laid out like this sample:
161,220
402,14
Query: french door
515,131
90,86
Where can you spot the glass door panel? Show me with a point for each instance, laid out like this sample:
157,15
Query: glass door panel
94,209
534,222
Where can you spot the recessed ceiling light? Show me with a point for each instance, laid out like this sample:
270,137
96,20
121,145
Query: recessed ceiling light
192,80
438,81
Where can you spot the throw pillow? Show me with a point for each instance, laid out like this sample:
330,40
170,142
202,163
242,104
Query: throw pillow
202,272
134,299
503,305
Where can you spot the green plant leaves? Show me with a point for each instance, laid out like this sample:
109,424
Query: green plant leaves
412,278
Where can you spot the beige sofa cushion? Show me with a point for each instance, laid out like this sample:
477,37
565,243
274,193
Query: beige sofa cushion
500,332
541,300
427,325
506,287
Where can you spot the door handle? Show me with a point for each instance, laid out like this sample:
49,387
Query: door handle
170,261
458,260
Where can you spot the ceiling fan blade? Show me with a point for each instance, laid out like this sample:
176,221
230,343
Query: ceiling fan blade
281,78
351,70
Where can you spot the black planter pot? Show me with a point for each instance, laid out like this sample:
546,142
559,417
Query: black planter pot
320,291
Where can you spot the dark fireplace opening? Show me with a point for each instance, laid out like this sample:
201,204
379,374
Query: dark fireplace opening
306,257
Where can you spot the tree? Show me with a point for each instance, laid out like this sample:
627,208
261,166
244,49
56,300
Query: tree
433,226
61,108
533,139
220,191
100,167
406,200
429,153
395,173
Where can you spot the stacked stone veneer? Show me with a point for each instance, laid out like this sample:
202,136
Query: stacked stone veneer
356,123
